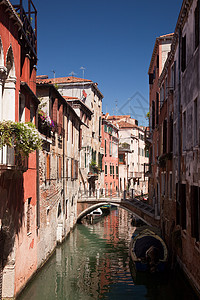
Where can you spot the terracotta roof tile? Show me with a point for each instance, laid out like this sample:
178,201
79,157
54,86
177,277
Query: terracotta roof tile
123,124
69,79
70,98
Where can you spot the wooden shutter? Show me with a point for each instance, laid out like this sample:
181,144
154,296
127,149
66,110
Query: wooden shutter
47,166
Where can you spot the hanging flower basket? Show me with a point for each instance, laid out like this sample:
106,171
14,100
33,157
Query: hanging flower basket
23,137
45,119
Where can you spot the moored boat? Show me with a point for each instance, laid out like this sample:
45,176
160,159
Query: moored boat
148,251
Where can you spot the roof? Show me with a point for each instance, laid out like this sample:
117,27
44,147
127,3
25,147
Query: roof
123,124
13,11
29,90
73,100
42,79
69,79
117,117
158,39
50,85
70,98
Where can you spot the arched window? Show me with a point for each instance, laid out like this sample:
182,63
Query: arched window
1,55
8,107
10,65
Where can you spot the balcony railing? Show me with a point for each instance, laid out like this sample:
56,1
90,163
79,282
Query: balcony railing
44,129
29,24
10,160
100,193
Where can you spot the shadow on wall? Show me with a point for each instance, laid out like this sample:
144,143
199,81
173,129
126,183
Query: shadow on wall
11,211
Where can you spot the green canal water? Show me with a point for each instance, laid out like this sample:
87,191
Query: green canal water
93,263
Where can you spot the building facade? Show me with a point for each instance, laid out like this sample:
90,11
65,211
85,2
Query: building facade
88,92
133,155
60,129
110,163
160,52
178,143
18,187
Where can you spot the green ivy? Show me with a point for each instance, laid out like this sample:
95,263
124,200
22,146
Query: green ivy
24,137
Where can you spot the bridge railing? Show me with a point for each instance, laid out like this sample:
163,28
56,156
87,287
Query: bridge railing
100,193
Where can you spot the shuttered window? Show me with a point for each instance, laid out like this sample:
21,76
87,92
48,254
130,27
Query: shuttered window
72,168
183,54
47,166
196,17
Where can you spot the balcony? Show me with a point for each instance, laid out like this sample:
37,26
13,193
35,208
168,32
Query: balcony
29,20
124,147
138,175
44,128
9,160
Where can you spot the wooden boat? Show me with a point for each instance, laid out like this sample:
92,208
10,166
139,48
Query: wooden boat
95,214
148,251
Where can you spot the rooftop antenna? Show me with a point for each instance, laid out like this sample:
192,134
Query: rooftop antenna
54,75
83,69
72,73
116,108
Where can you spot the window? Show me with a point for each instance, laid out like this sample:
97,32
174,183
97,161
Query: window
195,212
184,131
183,54
157,108
121,158
171,133
28,223
105,128
170,185
111,170
196,18
72,124
151,78
99,126
32,113
165,136
76,169
195,123
80,139
59,167
157,63
21,108
153,114
161,95
117,170
48,167
85,159
181,205
67,169
110,148
105,147
72,169
106,170
166,88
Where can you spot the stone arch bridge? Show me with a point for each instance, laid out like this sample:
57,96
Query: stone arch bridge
140,209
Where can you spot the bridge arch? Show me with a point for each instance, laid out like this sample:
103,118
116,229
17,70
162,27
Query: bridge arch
97,205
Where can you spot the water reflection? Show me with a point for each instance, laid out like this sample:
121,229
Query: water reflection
93,263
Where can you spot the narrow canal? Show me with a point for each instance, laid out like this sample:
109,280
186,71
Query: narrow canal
94,263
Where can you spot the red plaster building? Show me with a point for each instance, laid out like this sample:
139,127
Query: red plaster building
110,164
160,52
18,176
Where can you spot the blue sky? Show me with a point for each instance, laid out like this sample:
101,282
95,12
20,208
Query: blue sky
113,40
